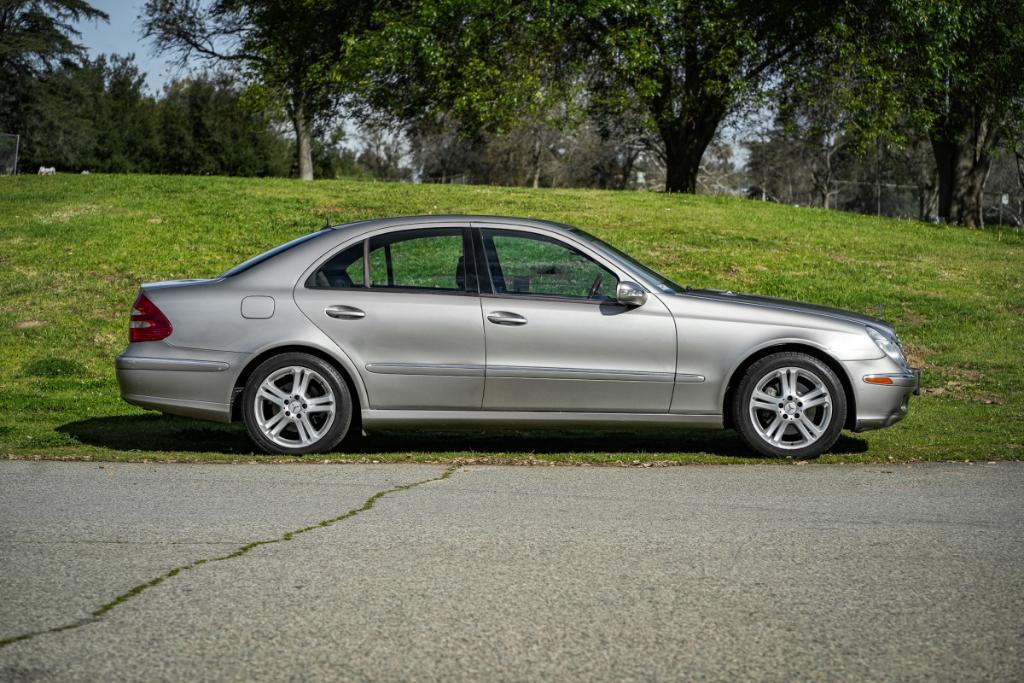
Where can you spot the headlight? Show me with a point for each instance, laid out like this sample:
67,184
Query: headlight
889,347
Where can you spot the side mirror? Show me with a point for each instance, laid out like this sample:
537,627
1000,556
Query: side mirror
630,294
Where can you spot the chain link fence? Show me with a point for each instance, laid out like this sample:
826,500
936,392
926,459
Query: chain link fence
9,153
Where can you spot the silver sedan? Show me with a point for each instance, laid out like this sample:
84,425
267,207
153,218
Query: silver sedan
481,321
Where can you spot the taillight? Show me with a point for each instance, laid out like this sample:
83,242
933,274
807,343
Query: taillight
148,322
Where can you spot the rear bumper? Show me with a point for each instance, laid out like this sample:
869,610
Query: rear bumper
200,410
195,383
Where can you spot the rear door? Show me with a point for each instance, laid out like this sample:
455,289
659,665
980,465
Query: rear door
556,338
403,305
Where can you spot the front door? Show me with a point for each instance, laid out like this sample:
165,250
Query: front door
401,306
557,340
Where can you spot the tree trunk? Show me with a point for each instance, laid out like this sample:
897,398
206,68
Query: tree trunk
963,158
684,149
303,143
536,161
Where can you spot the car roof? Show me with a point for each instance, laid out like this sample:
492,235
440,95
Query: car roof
455,218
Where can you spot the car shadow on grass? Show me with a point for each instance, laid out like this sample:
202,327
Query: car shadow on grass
163,433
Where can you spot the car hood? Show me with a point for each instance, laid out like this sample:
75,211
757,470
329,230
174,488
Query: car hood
789,305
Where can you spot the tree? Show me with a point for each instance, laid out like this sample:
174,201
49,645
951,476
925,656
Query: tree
693,62
125,124
964,73
206,128
486,68
948,72
288,51
686,64
37,38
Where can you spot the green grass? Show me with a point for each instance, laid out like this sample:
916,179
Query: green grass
73,250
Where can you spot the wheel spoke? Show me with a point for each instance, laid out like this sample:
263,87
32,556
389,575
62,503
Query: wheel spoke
776,429
278,428
276,418
815,397
803,431
804,424
272,398
311,431
784,389
762,399
272,393
322,407
304,384
300,427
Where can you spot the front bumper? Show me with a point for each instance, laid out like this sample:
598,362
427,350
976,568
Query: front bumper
883,397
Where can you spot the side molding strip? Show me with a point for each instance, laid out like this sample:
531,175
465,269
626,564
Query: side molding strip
529,372
174,364
442,369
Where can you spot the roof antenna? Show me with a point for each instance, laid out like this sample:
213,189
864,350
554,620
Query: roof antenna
327,224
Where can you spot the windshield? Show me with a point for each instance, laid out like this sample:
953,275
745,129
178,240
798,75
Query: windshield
256,260
650,276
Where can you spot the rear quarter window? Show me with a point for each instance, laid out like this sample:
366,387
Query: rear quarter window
271,253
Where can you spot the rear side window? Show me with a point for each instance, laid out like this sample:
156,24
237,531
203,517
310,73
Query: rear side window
343,271
431,259
256,260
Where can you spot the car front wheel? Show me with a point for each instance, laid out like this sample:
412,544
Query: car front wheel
296,403
789,404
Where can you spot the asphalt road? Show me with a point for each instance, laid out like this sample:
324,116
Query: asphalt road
494,573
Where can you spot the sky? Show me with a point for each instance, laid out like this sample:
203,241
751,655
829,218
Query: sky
122,35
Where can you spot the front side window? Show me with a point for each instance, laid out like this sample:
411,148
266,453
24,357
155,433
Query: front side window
537,265
431,259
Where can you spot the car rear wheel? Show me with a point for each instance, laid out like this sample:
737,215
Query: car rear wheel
789,405
296,403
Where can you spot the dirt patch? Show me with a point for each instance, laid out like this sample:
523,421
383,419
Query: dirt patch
912,317
1019,310
28,324
68,213
837,256
965,388
107,339
917,355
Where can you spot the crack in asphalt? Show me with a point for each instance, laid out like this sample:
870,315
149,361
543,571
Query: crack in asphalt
100,612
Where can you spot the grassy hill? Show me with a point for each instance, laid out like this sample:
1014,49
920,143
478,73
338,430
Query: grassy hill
73,250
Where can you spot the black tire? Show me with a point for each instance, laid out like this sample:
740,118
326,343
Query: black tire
343,404
759,371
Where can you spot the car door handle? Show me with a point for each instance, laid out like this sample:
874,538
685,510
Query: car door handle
506,318
344,312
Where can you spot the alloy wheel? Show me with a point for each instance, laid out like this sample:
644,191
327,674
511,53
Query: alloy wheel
790,408
295,406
